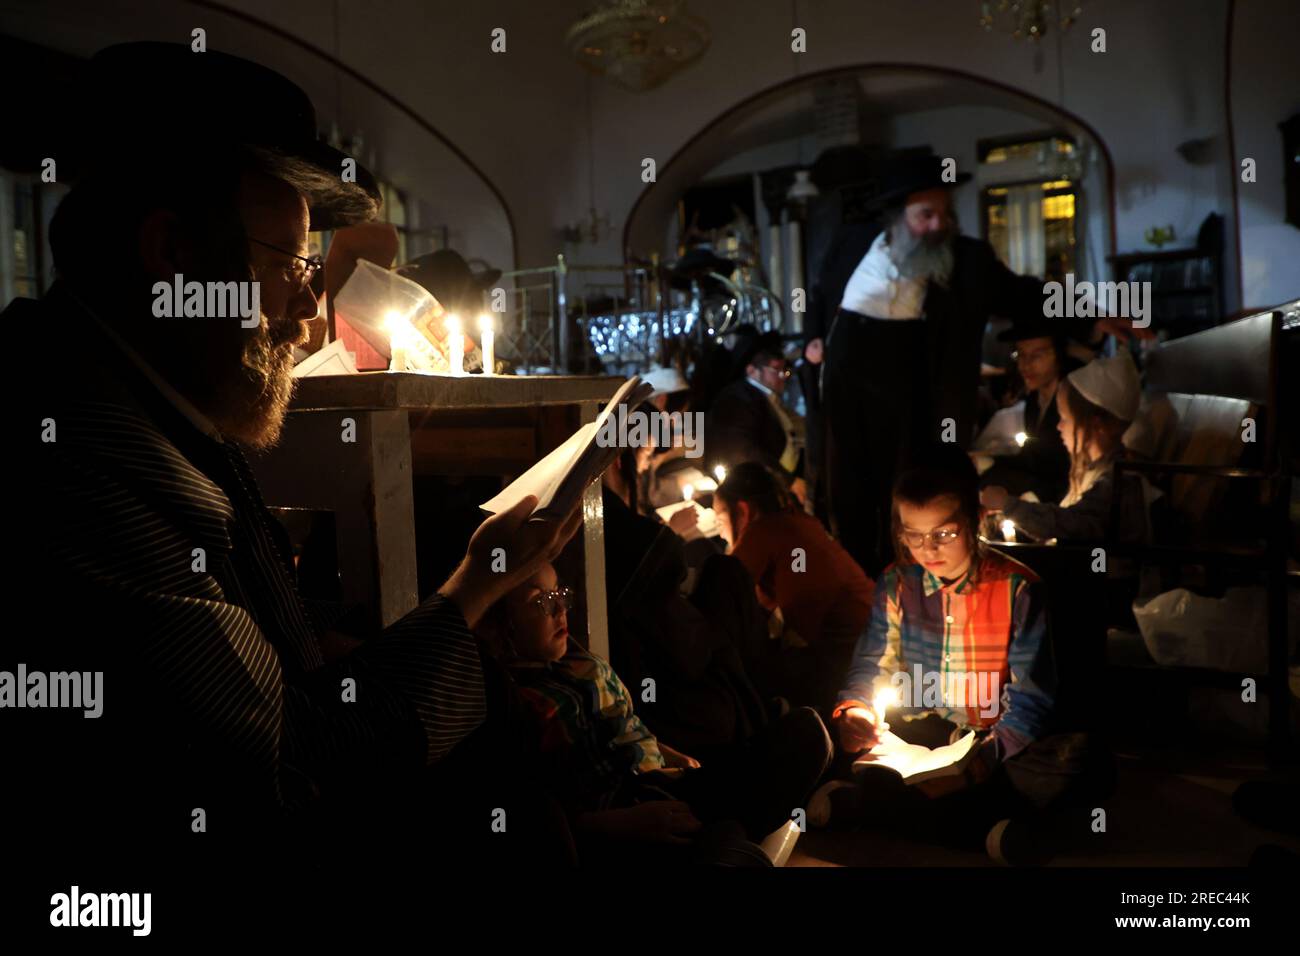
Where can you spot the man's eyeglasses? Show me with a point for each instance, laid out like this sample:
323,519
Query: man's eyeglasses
304,270
781,371
919,539
548,602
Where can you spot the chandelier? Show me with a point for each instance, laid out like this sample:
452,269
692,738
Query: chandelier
1029,18
637,43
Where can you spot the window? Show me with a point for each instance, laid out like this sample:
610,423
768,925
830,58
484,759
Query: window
1029,203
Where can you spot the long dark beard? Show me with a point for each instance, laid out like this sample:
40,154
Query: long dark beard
252,410
918,257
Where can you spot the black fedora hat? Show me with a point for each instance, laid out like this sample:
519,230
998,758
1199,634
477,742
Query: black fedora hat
1032,327
913,174
449,278
145,103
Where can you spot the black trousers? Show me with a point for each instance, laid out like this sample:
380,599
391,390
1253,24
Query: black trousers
877,405
761,782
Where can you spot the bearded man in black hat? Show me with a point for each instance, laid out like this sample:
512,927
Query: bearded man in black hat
899,312
150,547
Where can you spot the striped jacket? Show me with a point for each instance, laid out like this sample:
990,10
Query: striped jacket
175,579
973,652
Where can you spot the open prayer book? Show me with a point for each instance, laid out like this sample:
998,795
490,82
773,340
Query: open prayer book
559,479
914,762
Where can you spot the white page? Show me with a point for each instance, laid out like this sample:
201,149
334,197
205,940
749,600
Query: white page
911,760
544,477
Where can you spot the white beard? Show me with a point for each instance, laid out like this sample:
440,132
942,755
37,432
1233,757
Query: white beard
917,258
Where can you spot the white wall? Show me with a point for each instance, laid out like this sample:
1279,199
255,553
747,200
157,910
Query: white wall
1264,44
521,116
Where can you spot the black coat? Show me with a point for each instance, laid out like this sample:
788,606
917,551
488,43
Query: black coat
741,426
1043,465
981,287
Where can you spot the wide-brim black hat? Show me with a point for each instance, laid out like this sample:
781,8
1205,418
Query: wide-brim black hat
1035,327
902,177
144,104
448,277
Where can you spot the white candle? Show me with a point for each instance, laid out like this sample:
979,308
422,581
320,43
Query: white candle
396,342
457,344
488,336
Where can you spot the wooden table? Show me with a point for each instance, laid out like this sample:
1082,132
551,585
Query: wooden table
353,443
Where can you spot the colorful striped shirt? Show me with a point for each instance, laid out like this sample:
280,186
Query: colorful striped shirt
587,734
971,651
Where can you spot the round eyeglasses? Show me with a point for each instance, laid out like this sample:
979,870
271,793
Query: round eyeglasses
938,539
548,603
302,271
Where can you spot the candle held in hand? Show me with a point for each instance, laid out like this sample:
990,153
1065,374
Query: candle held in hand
885,698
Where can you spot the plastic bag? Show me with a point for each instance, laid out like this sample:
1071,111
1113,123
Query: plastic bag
1182,628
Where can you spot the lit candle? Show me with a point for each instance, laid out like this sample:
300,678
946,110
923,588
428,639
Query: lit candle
457,345
488,335
396,342
720,472
885,698
688,492
1008,530
1021,438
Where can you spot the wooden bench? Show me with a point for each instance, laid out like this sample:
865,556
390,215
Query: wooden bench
1223,465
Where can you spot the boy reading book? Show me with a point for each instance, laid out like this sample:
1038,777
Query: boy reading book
958,634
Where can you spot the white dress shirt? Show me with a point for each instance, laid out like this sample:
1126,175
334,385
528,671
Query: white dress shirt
876,288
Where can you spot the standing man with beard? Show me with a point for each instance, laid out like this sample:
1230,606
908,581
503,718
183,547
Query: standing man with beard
149,552
902,305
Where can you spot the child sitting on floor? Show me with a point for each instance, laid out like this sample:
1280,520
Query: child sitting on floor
823,596
1097,404
951,614
619,784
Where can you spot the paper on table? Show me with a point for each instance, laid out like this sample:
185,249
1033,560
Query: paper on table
914,762
333,359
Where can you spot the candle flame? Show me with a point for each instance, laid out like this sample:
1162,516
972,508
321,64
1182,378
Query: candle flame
453,324
484,322
1021,438
721,472
688,492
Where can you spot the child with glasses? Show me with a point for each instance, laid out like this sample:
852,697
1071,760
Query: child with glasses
968,627
619,784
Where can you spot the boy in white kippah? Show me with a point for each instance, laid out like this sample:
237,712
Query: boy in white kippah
1097,404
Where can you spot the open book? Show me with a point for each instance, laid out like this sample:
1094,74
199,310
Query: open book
559,479
914,762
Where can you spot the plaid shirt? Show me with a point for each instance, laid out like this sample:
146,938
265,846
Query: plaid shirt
589,739
985,630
